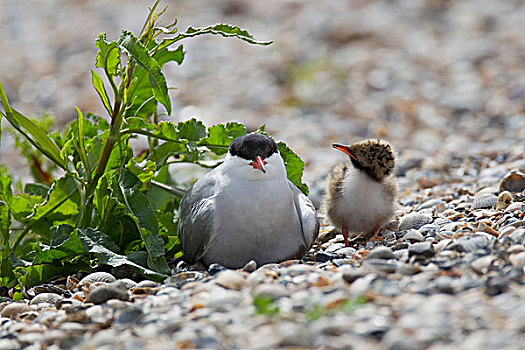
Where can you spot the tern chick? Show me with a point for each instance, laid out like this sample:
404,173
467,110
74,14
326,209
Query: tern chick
246,209
360,194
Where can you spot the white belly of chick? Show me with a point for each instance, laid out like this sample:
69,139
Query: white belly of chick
365,203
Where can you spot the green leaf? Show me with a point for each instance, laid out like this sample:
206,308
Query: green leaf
107,257
98,84
165,55
67,250
140,54
36,189
191,130
38,274
37,136
81,144
5,223
144,170
294,166
265,306
63,198
220,136
107,52
225,30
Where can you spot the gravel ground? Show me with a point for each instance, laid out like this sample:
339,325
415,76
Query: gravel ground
443,81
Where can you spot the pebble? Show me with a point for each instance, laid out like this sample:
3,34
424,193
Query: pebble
231,280
106,292
414,236
381,253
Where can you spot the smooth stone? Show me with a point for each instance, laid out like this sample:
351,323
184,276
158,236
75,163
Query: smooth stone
421,250
381,265
106,292
270,290
428,228
431,203
354,274
414,235
15,309
516,206
517,259
518,235
381,252
325,256
482,264
347,252
146,284
220,298
230,279
470,243
250,266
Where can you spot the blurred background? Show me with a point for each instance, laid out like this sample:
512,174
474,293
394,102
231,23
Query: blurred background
434,77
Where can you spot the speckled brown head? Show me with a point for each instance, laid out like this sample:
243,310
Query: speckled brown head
375,157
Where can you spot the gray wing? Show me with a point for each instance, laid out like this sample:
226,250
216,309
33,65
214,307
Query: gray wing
196,219
307,216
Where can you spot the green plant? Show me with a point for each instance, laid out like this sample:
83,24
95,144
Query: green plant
103,211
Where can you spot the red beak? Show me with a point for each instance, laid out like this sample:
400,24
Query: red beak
259,164
344,149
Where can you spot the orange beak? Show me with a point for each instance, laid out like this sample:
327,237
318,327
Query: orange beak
259,164
344,149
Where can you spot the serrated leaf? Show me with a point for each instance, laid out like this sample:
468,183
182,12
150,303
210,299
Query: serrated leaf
110,258
68,249
98,84
191,130
63,198
294,166
145,170
140,54
36,189
108,52
165,55
220,136
225,30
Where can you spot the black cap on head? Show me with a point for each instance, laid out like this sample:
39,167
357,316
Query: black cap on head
252,145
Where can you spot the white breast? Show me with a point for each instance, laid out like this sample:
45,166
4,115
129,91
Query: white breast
365,203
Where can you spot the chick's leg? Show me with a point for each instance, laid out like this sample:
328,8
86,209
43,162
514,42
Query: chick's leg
344,231
375,236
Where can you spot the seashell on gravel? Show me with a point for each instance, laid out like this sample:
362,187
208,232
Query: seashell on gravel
13,310
98,277
516,206
46,298
182,278
484,200
513,182
504,200
413,221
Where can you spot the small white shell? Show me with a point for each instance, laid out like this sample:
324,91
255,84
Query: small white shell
98,277
484,200
413,221
47,298
504,200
